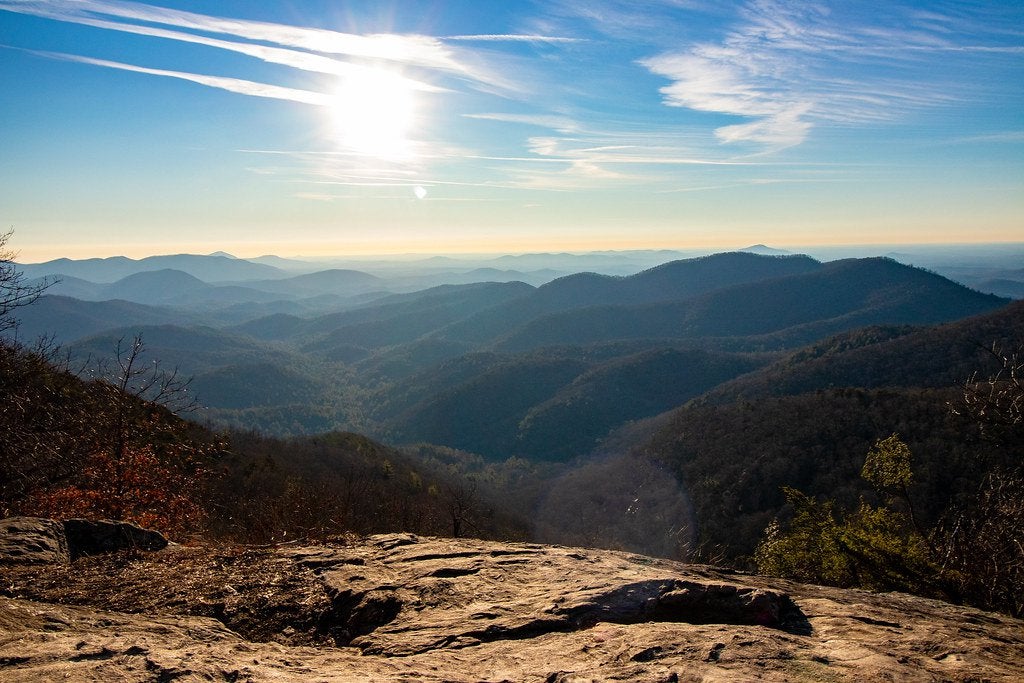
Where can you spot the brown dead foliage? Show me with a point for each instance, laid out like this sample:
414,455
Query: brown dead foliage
249,589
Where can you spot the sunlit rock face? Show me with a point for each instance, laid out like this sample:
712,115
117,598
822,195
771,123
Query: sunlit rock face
402,607
36,540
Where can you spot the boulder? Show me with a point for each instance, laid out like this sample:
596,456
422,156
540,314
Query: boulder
32,540
93,537
37,540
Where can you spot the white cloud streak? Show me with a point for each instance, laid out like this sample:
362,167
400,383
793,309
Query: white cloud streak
273,55
789,66
418,50
411,50
559,123
514,38
235,85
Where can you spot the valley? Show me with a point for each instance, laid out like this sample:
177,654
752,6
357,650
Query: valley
662,411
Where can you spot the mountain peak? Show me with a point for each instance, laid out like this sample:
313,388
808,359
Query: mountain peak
764,250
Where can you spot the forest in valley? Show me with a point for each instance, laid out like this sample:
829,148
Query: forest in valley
855,422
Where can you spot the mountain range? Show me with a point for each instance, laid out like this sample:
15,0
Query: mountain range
730,375
500,368
218,267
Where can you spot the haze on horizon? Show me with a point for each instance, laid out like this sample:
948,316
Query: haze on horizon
465,127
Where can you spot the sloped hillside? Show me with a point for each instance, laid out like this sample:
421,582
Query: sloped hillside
936,356
580,414
70,447
70,319
676,280
788,311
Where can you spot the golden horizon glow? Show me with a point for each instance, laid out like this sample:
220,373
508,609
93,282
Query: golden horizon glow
311,249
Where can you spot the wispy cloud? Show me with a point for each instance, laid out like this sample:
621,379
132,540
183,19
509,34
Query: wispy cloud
272,55
514,38
411,49
624,149
418,51
716,80
412,62
789,66
752,182
1013,136
235,85
627,19
554,122
591,160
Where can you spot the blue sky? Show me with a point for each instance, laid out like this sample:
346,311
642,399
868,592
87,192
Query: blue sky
428,126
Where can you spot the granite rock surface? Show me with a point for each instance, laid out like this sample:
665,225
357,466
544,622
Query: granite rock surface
401,607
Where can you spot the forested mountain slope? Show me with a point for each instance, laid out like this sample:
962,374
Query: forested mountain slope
895,356
70,319
71,447
796,309
734,459
508,369
808,420
671,281
553,404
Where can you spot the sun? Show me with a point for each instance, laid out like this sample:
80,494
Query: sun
374,112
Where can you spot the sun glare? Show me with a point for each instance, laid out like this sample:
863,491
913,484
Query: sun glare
374,113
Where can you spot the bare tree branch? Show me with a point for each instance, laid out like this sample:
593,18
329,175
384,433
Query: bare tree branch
14,293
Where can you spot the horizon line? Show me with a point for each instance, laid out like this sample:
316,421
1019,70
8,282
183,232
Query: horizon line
795,249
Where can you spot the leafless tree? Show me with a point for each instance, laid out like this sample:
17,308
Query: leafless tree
996,402
983,542
14,292
463,505
134,376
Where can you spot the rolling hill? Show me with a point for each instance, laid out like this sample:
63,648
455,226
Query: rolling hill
575,419
733,460
211,268
170,287
672,281
878,357
195,349
481,415
796,309
68,319
386,321
508,369
154,287
808,419
331,281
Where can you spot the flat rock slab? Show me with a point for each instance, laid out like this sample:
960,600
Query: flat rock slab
402,595
398,607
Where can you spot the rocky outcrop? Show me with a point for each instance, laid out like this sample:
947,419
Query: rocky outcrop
401,607
33,540
36,540
92,537
401,595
